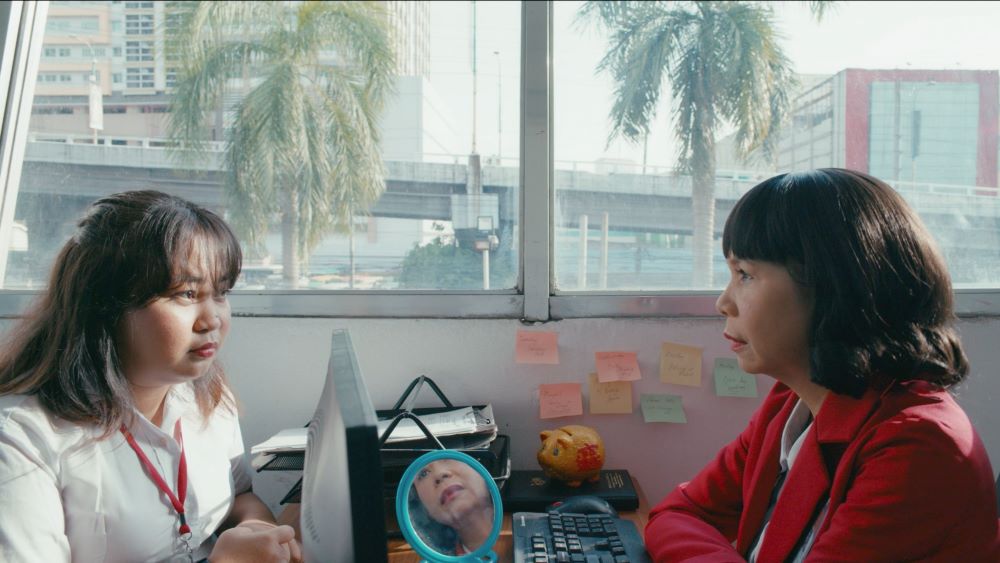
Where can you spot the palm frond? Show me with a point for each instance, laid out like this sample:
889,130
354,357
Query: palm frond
820,8
302,124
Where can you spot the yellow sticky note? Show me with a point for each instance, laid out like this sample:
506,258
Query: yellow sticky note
617,366
680,364
559,399
614,397
536,347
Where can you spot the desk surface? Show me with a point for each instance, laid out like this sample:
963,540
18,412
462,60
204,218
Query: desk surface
400,552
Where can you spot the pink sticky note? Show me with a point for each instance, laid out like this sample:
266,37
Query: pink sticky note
536,347
617,366
559,399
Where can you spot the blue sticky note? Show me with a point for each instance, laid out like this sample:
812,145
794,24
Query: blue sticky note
731,381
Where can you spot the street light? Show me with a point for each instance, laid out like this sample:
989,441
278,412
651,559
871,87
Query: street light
485,242
95,101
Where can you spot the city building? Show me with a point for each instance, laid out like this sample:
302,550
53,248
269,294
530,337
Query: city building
901,125
123,45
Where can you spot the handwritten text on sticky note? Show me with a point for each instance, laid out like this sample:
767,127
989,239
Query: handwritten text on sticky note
731,381
559,399
662,408
617,366
614,397
536,347
680,364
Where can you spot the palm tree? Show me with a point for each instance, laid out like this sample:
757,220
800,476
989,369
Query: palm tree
723,63
310,80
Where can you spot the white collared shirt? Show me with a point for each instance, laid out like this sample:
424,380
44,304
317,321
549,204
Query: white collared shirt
67,496
792,437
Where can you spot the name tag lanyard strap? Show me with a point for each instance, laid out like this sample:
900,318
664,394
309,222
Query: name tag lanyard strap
176,500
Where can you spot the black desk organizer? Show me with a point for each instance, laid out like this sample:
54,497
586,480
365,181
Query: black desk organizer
396,457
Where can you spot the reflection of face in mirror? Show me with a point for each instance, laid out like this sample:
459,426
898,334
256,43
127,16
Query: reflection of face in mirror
451,507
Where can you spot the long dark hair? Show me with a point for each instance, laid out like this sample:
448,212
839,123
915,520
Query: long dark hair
128,249
883,299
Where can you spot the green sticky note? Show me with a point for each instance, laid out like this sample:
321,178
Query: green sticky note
662,408
731,381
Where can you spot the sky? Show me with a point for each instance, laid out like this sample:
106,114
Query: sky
940,35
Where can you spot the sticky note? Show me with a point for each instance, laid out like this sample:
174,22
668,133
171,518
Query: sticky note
662,408
536,347
731,381
680,364
614,397
617,366
559,399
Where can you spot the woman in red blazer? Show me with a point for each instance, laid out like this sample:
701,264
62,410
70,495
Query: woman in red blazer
859,453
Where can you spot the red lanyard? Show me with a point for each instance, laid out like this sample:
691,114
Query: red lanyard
176,500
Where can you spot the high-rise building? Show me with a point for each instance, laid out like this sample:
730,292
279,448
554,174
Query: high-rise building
410,21
901,125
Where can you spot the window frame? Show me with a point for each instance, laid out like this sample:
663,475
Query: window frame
533,299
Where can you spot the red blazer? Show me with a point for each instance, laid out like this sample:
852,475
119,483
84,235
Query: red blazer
905,472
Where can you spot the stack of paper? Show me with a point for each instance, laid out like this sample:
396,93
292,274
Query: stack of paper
473,427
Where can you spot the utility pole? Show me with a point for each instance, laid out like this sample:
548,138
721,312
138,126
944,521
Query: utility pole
94,95
499,111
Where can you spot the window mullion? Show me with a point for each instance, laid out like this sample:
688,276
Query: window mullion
23,29
536,158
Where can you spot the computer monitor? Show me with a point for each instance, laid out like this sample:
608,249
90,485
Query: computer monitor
343,517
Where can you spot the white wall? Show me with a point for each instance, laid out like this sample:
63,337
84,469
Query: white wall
277,367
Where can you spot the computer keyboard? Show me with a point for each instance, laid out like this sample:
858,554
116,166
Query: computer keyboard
578,538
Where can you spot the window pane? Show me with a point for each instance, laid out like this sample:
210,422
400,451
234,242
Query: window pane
908,96
418,205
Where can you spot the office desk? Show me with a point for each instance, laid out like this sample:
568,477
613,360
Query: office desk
400,552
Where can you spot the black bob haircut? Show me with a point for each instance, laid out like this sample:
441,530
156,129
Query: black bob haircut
883,308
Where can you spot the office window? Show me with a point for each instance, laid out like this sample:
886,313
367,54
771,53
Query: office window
49,52
918,110
64,51
59,25
433,207
138,24
138,50
628,171
139,77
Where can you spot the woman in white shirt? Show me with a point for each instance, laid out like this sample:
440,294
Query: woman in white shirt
119,439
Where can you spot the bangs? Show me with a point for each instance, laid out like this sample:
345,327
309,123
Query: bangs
763,224
173,243
208,253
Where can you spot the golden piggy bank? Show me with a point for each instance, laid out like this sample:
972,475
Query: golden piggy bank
572,454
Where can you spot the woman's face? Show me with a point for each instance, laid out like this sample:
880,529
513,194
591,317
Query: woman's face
767,319
449,489
176,337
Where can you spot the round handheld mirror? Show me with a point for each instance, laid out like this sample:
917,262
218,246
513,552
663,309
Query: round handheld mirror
449,508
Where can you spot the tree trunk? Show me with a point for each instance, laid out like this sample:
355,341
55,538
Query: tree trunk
703,222
350,251
703,197
290,239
